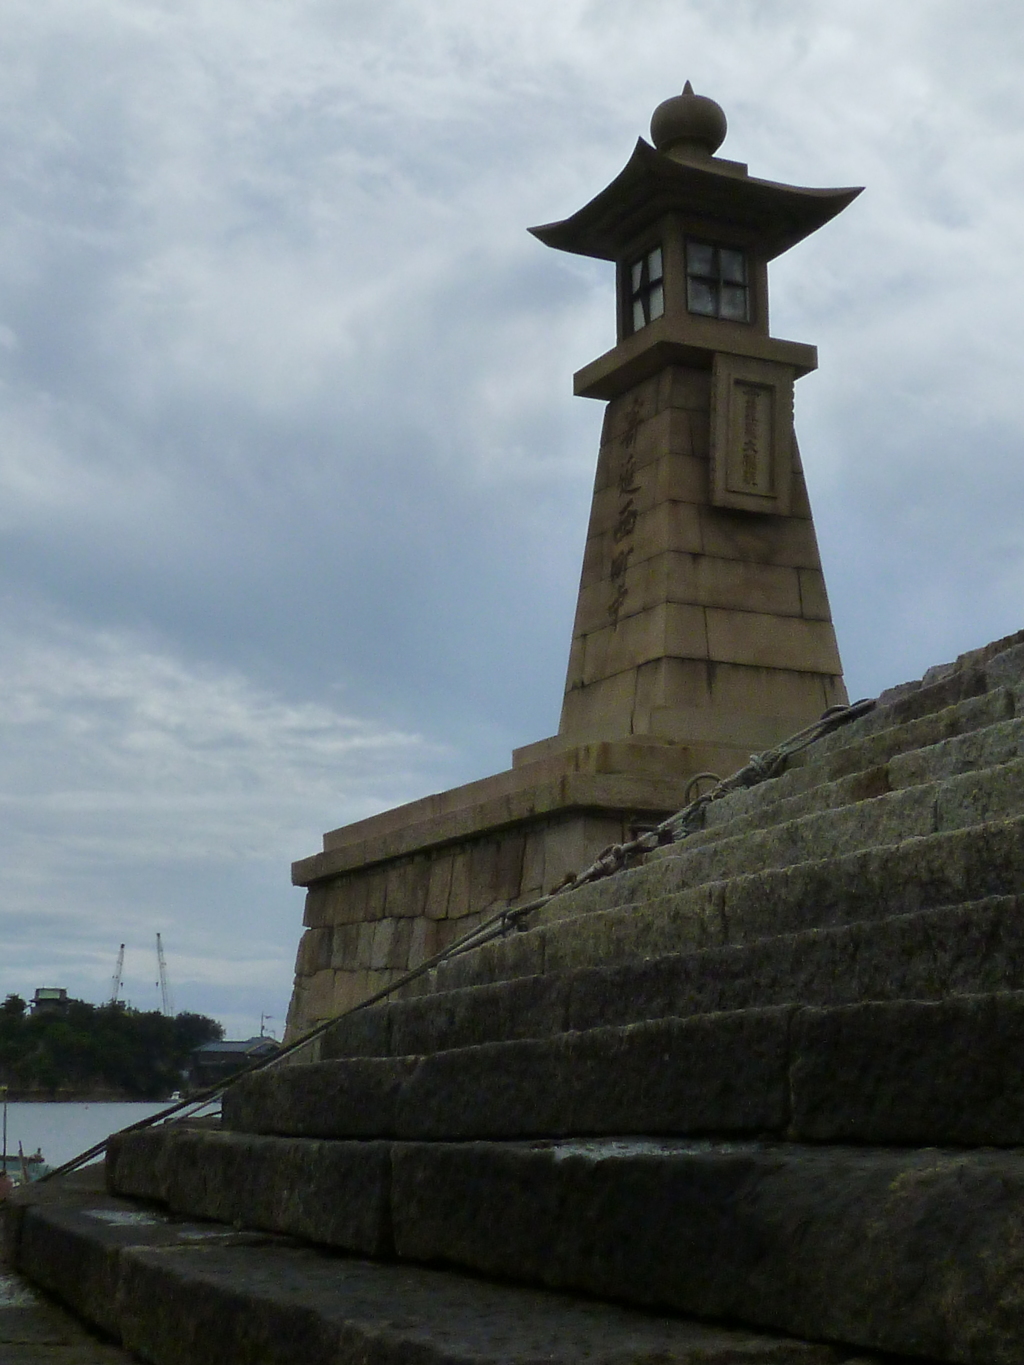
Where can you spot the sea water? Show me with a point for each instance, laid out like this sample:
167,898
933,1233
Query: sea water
64,1130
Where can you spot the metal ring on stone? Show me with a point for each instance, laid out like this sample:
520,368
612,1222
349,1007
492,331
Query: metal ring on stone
699,777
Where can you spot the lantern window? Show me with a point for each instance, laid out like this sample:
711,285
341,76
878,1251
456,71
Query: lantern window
646,289
716,282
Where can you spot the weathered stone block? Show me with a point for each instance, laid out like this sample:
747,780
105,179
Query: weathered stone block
259,1182
841,752
459,896
681,477
737,585
700,434
595,711
800,505
320,995
314,910
594,567
1001,742
518,955
532,1006
77,1256
673,629
813,595
408,884
721,1073
364,1033
390,946
376,894
936,1073
764,540
975,798
772,641
724,1073
509,869
885,820
700,580
690,389
723,821
957,687
364,943
944,869
759,691
483,874
439,885
301,1101
688,923
422,940
532,881
345,947
349,988
451,931
348,900
912,1252
264,1301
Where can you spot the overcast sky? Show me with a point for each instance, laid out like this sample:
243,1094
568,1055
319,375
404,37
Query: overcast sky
293,488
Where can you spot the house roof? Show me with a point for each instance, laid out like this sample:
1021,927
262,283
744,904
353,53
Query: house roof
237,1045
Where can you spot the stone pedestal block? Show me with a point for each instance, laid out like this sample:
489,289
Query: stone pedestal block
388,892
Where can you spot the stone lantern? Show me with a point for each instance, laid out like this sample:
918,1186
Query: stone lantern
702,615
702,629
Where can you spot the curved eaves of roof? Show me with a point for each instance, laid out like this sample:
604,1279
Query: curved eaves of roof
651,184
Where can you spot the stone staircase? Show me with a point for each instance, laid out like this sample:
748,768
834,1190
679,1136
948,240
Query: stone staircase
770,1079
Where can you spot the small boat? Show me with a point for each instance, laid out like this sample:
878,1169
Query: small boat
14,1170
20,1169
15,1159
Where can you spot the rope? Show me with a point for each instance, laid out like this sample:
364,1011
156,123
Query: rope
760,768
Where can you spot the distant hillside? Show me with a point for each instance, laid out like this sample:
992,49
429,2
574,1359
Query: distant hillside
101,1051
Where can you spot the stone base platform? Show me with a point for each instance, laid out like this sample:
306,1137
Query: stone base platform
186,1292
35,1331
767,1076
390,891
767,1079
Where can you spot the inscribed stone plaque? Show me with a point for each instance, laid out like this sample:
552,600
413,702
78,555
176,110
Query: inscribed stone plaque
751,434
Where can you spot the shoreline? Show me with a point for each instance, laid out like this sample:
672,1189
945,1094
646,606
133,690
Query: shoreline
80,1097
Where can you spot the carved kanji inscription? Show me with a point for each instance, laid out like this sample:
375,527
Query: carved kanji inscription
751,434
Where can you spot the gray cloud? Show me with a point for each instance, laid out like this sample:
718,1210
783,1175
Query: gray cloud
292,487
133,787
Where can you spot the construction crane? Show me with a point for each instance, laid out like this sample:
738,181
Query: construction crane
165,990
117,979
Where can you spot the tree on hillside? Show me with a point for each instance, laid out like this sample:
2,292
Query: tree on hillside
140,1054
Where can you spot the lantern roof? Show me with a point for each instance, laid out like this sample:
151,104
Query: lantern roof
715,195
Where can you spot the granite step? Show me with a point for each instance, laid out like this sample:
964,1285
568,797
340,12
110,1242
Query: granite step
996,744
916,1252
976,947
999,665
893,775
960,704
910,1251
181,1292
34,1331
846,753
897,1071
653,910
969,798
770,1079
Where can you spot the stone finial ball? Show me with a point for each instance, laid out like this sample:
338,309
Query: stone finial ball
689,118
